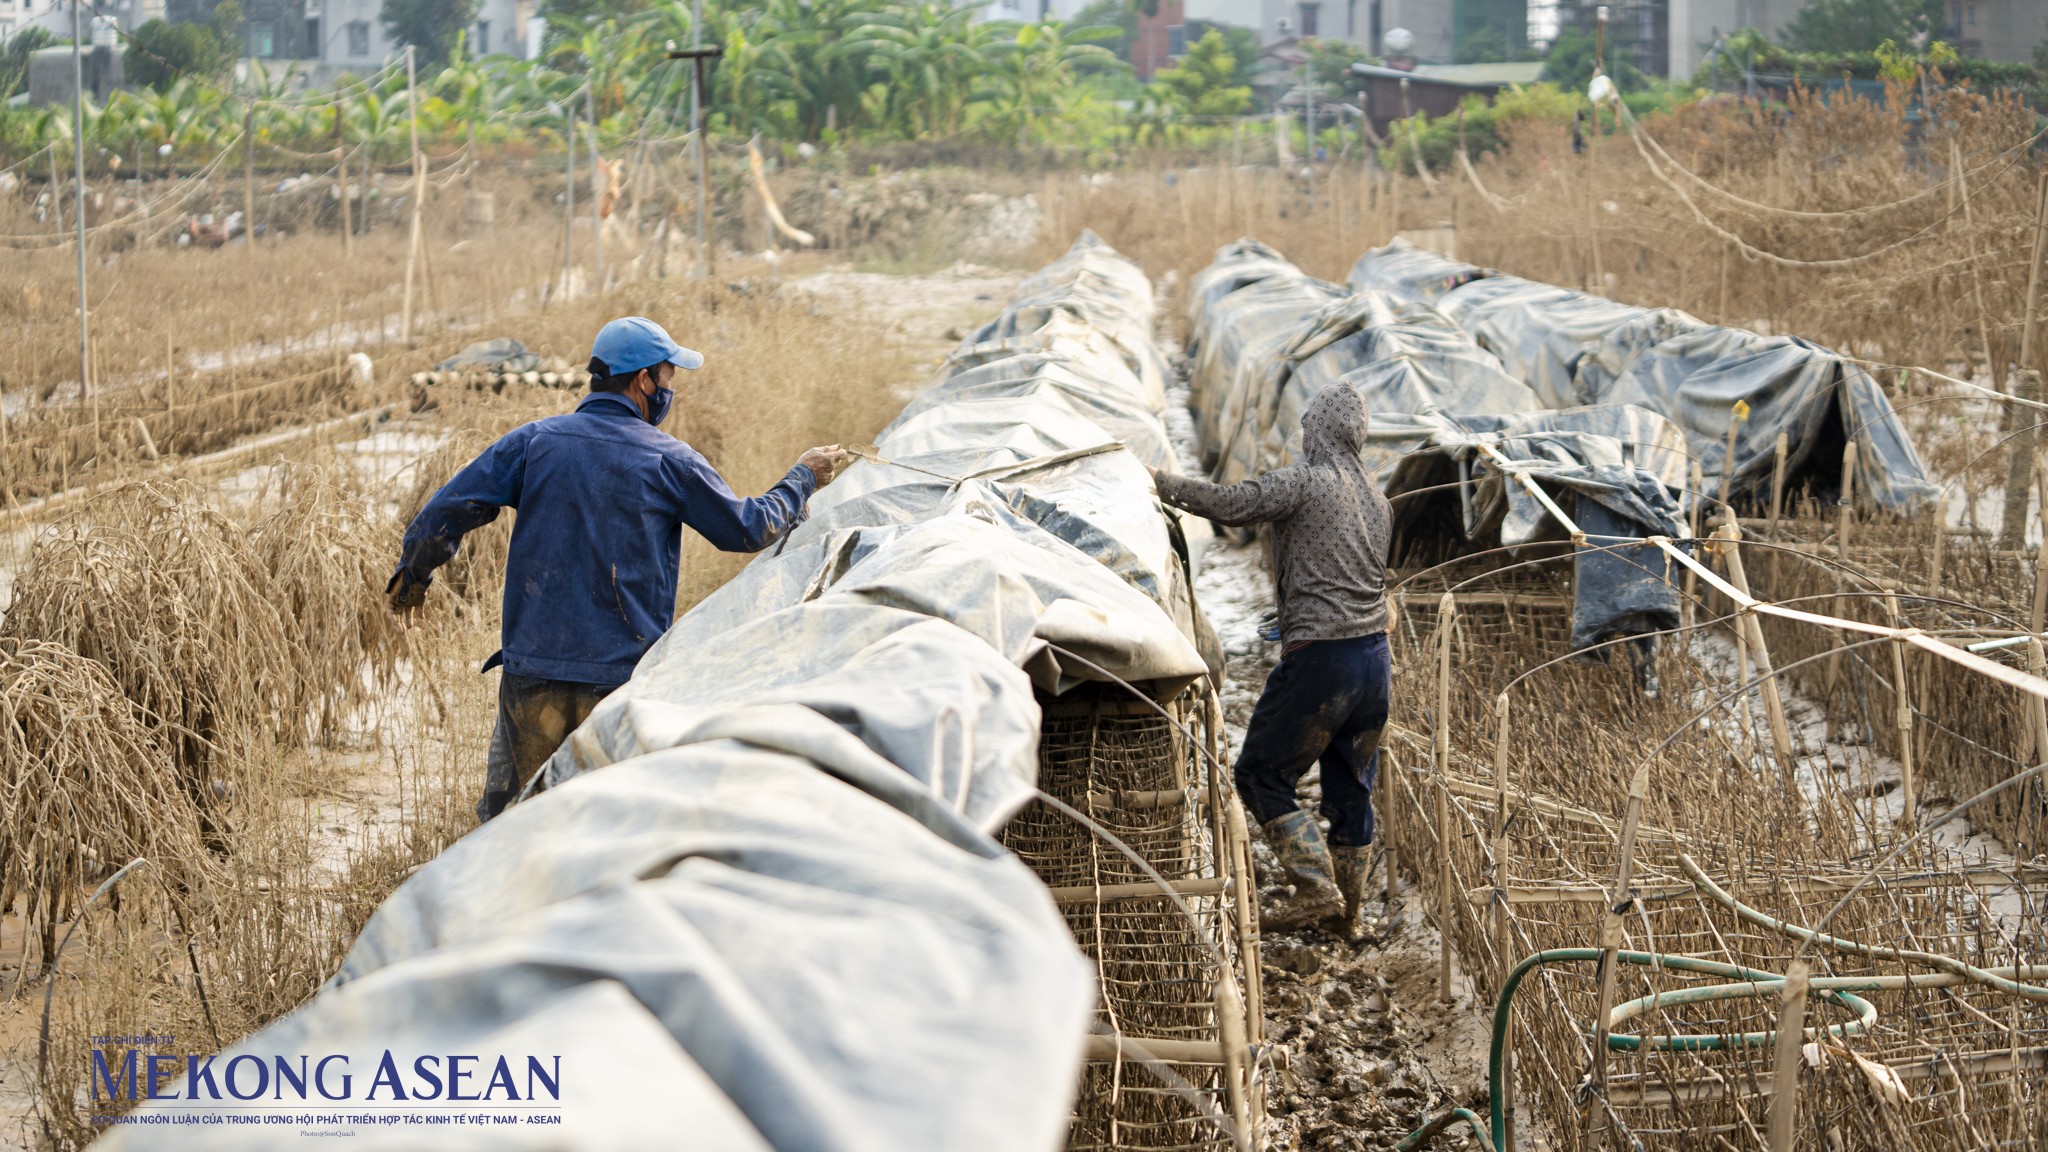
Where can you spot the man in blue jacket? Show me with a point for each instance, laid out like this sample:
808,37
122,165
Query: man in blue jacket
590,583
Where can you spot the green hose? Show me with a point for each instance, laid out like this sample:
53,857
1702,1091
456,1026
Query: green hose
1751,982
1441,1121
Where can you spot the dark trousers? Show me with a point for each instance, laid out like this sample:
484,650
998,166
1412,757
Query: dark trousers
534,717
1328,702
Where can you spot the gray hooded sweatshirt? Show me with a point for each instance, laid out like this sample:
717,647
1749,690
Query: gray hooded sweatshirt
1331,523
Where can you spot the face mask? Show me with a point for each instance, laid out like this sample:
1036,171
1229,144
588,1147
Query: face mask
657,405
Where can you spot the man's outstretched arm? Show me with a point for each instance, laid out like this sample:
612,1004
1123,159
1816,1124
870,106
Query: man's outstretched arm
469,501
1270,497
731,523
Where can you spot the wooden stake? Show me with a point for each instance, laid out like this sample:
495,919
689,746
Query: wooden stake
1904,713
1446,621
1774,705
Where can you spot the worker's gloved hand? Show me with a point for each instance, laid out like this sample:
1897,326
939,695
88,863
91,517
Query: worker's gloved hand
404,593
825,462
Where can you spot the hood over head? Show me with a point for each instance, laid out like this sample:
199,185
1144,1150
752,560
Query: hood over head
1334,427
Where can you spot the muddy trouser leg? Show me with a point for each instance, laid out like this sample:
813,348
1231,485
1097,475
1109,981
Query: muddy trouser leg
1309,694
1351,765
534,717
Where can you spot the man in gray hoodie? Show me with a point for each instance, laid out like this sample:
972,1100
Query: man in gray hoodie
1327,699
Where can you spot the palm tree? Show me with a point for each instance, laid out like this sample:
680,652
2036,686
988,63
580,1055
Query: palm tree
931,55
1035,69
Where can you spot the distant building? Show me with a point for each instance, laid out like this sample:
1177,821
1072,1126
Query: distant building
1434,89
100,68
1032,10
54,15
352,36
2005,30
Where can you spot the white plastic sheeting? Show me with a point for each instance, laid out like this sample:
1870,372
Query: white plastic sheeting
1573,349
754,902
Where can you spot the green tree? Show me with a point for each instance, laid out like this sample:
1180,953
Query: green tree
1117,14
1569,64
1035,70
1242,42
14,61
160,54
932,55
226,22
1330,61
430,26
1204,83
1861,25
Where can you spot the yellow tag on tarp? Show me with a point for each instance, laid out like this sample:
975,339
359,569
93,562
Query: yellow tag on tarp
1741,410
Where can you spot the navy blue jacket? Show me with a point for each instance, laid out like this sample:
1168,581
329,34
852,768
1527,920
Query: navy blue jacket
602,497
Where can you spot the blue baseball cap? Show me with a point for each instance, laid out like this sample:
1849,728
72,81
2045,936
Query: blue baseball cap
631,343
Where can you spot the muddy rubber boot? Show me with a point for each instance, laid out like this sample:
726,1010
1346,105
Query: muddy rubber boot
1351,865
1298,842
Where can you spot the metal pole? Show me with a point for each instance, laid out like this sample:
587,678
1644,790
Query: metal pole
696,42
703,163
78,199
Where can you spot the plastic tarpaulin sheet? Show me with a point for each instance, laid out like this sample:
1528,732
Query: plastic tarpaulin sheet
1444,412
754,902
1577,349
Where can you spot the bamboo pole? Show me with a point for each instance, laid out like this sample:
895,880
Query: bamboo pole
1686,604
249,172
2039,706
1498,832
1446,621
1774,705
1903,714
1777,495
1618,902
419,189
597,193
2026,386
341,175
1230,1020
78,216
1845,513
1503,928
1955,152
1736,415
1595,278
2038,618
1784,1104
